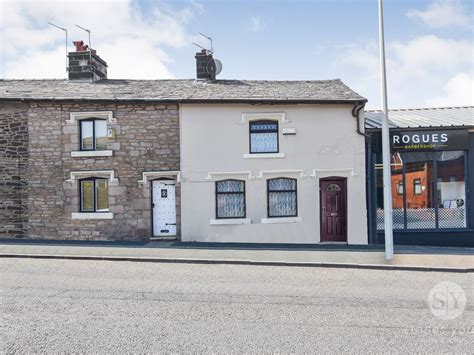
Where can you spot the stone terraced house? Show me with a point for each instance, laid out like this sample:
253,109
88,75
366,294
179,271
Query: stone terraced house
90,158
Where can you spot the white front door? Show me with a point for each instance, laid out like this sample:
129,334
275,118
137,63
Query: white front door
164,208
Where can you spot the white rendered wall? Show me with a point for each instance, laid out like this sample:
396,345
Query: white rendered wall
213,142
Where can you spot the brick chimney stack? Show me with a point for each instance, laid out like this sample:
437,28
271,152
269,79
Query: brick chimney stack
205,66
85,64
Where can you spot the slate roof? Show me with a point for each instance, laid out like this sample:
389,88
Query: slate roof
422,117
182,91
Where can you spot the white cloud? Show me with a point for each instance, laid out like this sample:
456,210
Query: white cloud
423,54
421,71
458,91
256,24
130,39
443,13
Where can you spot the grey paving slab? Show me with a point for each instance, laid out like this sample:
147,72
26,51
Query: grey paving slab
168,252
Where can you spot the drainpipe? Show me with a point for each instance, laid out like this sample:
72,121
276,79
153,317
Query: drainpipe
355,113
358,106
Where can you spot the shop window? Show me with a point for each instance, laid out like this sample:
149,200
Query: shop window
282,198
438,198
94,195
263,137
93,134
230,199
452,189
398,188
420,208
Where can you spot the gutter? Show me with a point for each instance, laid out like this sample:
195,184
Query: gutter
188,101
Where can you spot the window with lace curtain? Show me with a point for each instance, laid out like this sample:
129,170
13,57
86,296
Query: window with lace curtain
263,136
230,199
281,197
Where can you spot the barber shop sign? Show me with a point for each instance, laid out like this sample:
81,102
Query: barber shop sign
454,139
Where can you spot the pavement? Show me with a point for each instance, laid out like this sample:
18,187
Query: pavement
365,257
101,307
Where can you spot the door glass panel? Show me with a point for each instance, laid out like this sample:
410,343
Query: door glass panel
102,195
333,187
451,189
87,195
100,134
86,135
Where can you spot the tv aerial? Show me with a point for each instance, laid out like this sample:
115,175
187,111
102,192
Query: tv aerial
65,31
214,66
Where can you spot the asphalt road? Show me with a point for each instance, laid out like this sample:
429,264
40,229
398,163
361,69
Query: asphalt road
108,306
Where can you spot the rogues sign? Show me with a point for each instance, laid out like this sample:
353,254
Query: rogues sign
450,139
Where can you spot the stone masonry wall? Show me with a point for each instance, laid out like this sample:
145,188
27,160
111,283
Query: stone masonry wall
13,169
146,139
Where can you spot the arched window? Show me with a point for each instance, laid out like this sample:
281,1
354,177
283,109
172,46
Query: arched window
230,199
263,136
282,197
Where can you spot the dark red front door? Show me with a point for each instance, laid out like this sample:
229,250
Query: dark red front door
333,210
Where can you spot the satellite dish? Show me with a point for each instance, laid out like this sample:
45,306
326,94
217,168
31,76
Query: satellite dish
218,66
214,67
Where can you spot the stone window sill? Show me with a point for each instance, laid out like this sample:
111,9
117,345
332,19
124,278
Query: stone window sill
281,220
92,215
264,155
91,153
229,221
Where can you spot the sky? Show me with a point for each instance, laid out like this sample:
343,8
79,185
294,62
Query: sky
429,43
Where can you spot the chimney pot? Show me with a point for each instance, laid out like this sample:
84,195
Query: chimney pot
80,47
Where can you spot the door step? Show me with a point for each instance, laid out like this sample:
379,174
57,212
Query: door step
332,243
164,238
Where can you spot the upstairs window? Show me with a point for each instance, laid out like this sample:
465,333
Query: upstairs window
417,186
400,187
94,195
230,199
263,137
281,195
93,134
